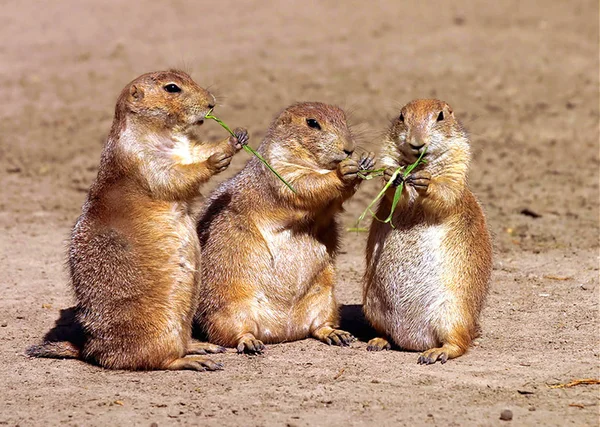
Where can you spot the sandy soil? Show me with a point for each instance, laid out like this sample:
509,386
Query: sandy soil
521,75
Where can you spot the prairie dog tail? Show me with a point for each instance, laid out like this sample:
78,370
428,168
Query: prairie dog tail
54,350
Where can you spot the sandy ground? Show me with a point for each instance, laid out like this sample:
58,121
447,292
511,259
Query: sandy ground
522,76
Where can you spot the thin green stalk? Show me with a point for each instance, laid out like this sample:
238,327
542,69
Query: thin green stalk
376,199
370,173
397,193
399,189
249,149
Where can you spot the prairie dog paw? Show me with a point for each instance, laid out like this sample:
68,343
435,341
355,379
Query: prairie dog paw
419,181
431,356
250,345
218,162
366,161
378,344
348,170
240,139
389,172
332,336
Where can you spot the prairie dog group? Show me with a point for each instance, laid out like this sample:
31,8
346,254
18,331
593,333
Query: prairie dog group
258,264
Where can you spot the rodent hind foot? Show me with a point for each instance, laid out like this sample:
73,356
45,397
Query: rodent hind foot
250,345
204,348
441,354
332,336
378,344
431,356
195,363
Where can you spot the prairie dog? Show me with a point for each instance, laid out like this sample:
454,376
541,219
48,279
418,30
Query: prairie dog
268,254
134,252
427,279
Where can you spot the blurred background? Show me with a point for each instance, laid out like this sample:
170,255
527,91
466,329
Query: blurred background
521,75
523,79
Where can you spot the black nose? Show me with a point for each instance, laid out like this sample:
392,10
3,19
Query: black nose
417,147
348,152
211,106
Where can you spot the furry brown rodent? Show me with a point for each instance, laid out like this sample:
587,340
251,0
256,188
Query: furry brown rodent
134,252
268,254
426,280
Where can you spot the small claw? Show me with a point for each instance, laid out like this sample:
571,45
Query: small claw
399,180
367,161
347,338
251,346
335,339
378,344
212,366
242,136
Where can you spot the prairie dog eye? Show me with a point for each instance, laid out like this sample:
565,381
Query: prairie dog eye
401,118
312,123
440,117
172,88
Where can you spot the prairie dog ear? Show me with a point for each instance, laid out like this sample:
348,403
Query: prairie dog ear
284,119
136,93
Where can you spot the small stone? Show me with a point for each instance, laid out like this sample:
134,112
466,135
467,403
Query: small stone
531,408
154,425
506,415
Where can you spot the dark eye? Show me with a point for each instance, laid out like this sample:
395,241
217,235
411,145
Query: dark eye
440,116
313,124
401,117
172,88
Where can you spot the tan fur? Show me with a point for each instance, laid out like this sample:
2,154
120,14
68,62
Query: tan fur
268,255
426,280
134,252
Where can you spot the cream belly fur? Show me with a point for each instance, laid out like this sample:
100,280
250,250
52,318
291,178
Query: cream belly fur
294,281
412,296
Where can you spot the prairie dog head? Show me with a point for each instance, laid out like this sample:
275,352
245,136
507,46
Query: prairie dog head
311,134
165,100
425,124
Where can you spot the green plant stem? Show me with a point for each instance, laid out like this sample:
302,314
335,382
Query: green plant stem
388,184
370,173
249,149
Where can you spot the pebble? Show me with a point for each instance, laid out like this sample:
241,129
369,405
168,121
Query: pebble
506,415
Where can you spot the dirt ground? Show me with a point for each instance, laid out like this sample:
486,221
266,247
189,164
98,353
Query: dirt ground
523,76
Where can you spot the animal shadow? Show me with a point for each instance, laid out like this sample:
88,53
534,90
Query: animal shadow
353,320
67,328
